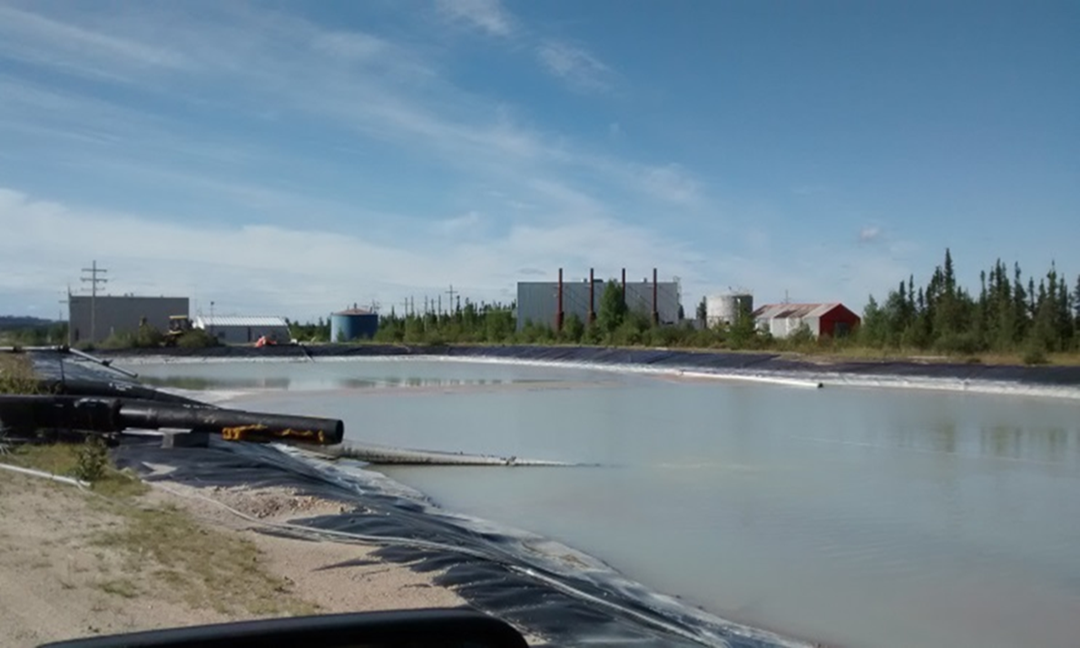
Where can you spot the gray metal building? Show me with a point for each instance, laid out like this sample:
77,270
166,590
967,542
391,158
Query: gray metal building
242,330
537,301
93,320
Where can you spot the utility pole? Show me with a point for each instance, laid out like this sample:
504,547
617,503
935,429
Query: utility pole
93,280
439,311
412,306
452,292
68,302
405,307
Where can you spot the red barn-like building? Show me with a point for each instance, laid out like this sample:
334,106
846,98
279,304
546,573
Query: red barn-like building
832,320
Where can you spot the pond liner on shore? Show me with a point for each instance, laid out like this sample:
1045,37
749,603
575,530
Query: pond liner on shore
544,588
62,374
675,359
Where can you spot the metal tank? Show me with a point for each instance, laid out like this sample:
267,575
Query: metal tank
725,308
353,324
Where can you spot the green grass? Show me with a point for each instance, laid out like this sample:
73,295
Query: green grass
204,567
63,459
17,374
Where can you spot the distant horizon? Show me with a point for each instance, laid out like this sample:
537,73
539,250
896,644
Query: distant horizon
196,309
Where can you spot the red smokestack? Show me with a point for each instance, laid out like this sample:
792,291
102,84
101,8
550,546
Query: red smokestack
655,309
559,308
592,297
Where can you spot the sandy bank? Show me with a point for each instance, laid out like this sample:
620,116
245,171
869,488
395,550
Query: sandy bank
64,575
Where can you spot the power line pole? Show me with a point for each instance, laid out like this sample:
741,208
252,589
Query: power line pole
68,302
452,292
93,280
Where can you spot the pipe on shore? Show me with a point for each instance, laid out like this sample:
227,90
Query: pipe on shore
387,456
34,412
44,475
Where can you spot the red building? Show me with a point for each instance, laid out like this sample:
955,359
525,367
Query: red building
832,320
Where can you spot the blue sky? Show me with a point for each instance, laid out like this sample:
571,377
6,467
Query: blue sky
291,158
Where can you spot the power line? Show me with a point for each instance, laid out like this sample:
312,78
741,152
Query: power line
93,280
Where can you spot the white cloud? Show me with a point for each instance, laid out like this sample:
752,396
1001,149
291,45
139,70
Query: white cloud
266,70
300,273
672,183
574,64
464,225
33,38
236,64
486,15
869,234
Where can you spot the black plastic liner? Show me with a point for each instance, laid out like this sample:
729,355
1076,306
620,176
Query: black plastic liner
659,358
61,373
481,565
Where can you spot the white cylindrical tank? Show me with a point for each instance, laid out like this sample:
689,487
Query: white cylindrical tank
725,308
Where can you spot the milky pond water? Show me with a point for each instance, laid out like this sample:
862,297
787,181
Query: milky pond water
857,517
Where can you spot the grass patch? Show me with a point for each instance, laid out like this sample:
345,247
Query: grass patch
56,458
204,567
17,374
69,459
120,587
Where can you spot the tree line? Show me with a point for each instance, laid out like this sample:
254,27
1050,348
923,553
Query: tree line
1008,314
495,323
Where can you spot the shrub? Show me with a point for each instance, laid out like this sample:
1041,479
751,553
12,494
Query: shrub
148,337
1035,356
117,341
573,329
196,339
959,343
92,460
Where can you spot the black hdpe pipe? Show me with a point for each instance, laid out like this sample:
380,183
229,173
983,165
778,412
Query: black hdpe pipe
23,412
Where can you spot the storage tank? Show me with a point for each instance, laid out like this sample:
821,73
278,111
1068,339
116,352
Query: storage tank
353,324
725,308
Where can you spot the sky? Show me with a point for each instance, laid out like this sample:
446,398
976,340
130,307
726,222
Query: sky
293,158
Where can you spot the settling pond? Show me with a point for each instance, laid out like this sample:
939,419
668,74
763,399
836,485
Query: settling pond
857,517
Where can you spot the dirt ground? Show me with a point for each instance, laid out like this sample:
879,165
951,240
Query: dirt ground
74,564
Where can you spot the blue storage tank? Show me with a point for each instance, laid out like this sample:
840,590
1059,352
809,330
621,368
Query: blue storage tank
353,324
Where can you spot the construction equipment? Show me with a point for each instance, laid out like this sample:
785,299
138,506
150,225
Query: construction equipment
178,325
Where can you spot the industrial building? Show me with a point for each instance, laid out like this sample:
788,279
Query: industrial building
538,301
244,330
830,320
353,324
724,309
95,318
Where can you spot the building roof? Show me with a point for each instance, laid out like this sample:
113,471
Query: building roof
798,311
227,320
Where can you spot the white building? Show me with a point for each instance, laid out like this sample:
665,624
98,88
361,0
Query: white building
243,330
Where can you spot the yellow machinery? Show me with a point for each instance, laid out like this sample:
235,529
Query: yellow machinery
178,325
